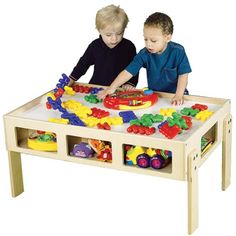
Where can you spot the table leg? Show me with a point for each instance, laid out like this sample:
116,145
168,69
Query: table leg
193,191
17,186
226,152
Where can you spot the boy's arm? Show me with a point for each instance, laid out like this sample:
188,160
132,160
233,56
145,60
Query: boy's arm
82,65
178,99
123,77
130,53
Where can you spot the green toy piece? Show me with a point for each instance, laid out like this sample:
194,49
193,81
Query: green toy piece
147,120
92,98
177,120
188,111
135,122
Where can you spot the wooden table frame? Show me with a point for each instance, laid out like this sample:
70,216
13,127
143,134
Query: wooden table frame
186,155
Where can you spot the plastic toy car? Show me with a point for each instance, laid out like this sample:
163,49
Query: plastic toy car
144,158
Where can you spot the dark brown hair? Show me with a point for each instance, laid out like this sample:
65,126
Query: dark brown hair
162,21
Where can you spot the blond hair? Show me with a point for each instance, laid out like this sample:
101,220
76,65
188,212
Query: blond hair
111,15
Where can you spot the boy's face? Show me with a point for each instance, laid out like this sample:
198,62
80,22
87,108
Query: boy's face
155,40
112,34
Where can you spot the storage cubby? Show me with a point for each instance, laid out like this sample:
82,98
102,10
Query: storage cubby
208,139
93,149
21,137
39,140
147,157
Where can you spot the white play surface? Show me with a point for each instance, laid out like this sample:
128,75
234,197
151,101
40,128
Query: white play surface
40,112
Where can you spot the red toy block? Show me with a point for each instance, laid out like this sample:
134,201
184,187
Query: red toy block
99,113
49,106
100,126
81,89
40,132
135,129
59,93
150,130
139,129
76,88
87,89
105,126
188,120
169,132
200,107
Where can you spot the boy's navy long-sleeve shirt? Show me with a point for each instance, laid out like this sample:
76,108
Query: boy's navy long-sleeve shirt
108,62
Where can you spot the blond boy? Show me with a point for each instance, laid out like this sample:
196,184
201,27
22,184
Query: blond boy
110,53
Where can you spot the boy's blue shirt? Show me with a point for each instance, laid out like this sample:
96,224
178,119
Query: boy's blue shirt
162,69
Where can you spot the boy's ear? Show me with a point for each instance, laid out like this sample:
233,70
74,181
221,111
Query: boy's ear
168,37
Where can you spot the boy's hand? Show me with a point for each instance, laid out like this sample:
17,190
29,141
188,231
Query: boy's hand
103,93
71,83
128,87
177,100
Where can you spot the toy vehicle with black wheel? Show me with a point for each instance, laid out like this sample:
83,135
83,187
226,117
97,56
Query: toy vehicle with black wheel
143,160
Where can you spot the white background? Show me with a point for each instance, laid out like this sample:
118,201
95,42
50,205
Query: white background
42,39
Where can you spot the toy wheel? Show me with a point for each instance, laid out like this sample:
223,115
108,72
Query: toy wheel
157,162
143,160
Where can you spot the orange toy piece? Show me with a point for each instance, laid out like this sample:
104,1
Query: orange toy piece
104,152
97,145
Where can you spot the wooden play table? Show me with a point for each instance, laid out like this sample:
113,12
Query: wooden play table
185,148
